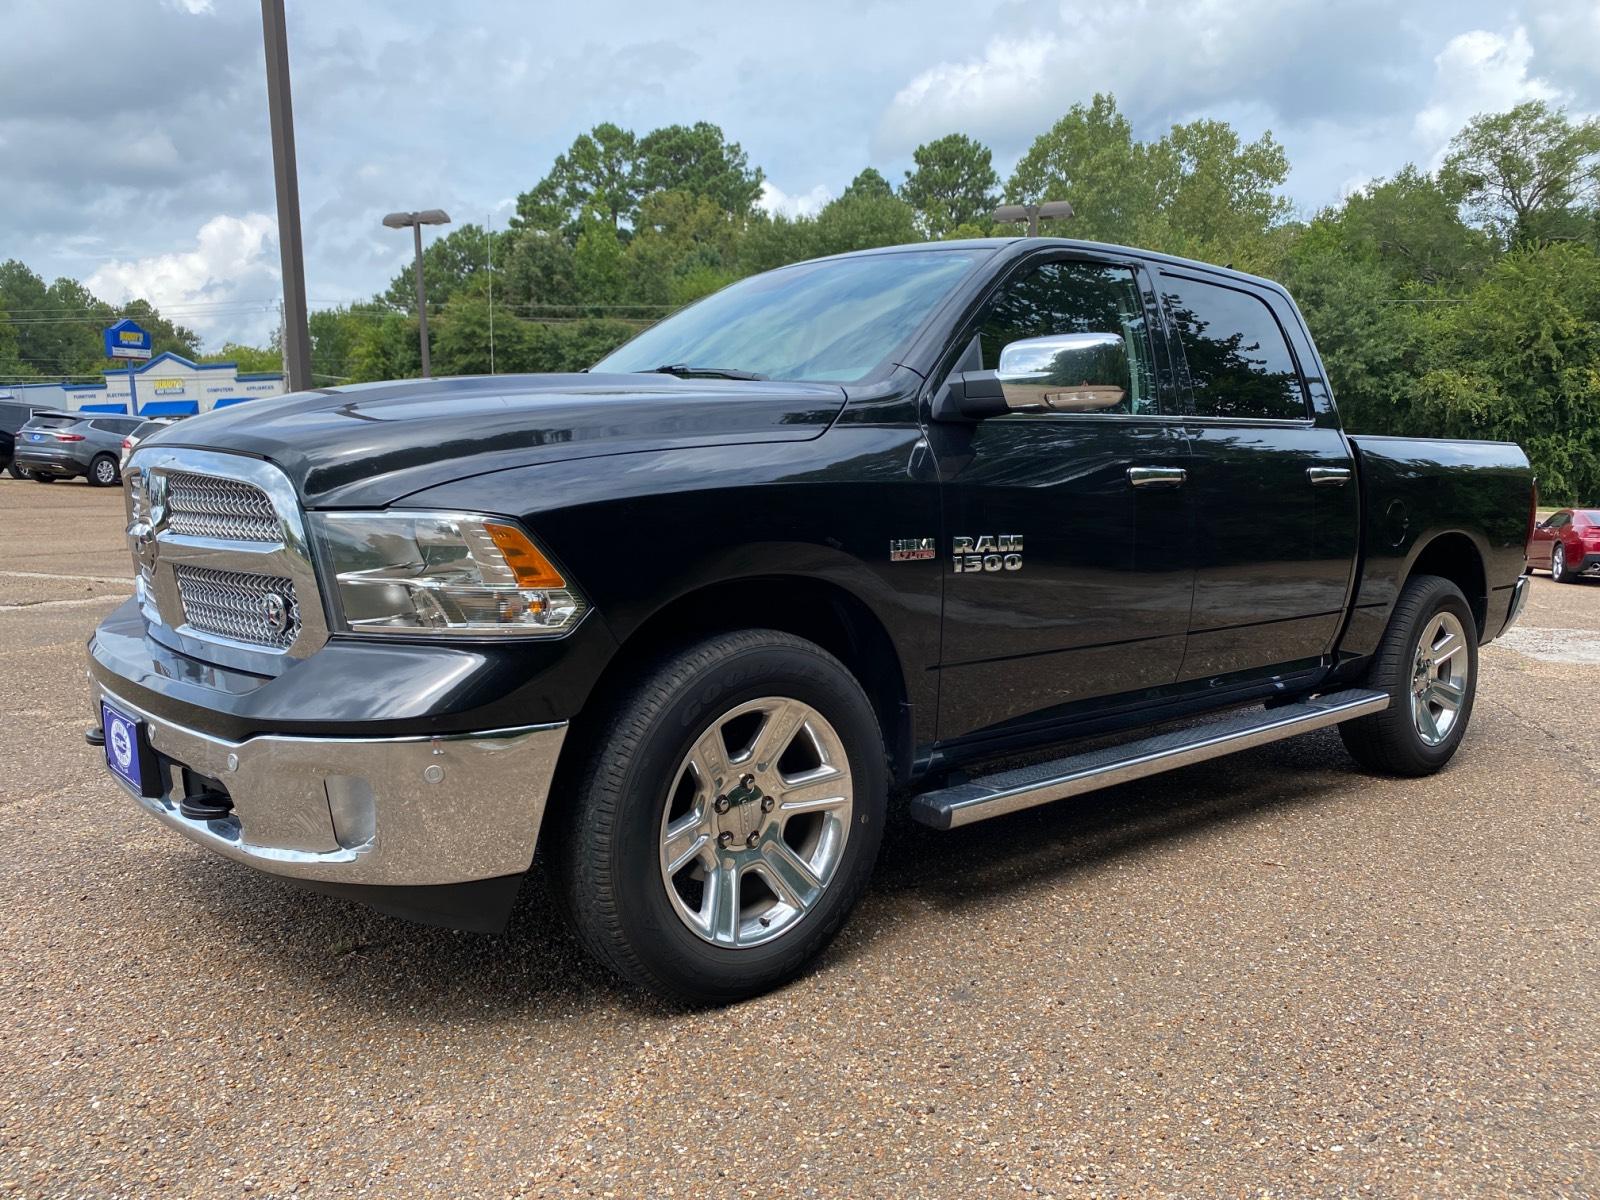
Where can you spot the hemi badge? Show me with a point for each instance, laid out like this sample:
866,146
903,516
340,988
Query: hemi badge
910,549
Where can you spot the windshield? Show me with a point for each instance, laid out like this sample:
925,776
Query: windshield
838,320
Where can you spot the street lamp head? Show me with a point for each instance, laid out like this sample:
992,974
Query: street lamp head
1050,210
399,220
433,216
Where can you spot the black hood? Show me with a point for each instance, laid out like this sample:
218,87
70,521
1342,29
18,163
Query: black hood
372,444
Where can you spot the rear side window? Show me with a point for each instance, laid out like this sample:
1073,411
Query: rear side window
1239,362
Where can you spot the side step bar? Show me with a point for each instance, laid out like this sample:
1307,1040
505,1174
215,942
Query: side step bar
1009,791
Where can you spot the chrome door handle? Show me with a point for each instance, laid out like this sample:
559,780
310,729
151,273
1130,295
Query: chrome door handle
1157,477
1328,476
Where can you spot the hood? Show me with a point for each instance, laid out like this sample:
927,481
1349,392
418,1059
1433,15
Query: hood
372,444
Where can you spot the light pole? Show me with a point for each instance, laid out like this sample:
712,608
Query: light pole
415,221
1050,210
296,335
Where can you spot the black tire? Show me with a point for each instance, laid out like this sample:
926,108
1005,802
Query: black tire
608,854
15,471
1390,742
103,471
1558,565
41,478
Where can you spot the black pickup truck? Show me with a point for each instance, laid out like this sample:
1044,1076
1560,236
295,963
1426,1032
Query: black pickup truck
857,533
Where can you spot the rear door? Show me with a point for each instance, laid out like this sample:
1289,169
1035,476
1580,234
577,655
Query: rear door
1272,480
1066,580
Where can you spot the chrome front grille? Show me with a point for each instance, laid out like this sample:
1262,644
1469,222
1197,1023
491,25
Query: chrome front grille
209,506
260,609
225,571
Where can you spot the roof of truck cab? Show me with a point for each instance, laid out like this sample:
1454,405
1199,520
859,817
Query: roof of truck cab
1023,245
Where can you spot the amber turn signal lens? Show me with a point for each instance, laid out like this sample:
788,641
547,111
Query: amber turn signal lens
530,567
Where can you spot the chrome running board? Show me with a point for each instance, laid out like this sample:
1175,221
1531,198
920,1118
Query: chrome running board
1010,791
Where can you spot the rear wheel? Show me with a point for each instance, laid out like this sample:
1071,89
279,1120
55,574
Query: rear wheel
16,471
1428,664
728,818
103,471
1558,564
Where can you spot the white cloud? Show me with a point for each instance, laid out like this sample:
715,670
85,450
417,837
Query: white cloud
1477,72
775,200
228,281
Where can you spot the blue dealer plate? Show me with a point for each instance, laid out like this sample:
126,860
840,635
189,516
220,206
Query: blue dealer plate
126,748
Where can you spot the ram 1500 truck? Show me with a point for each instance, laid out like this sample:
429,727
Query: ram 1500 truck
858,532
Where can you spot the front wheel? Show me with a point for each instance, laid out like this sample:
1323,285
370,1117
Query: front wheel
727,819
1428,664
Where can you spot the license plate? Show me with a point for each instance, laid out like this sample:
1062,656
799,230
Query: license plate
36,437
128,752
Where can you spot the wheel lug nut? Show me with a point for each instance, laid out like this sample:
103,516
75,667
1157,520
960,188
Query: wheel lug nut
766,804
725,839
752,839
720,804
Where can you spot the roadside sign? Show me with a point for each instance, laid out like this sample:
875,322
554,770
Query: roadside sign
126,340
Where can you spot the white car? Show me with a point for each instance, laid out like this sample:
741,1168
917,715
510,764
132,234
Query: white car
153,425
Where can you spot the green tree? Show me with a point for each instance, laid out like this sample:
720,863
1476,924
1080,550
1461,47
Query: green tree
600,172
1215,196
536,272
868,185
861,219
248,358
1090,158
447,263
1411,225
598,268
1530,174
954,183
1519,359
699,160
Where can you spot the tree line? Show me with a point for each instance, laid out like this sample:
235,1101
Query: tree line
1457,301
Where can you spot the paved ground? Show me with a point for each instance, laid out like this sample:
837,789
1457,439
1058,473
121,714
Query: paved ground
1267,976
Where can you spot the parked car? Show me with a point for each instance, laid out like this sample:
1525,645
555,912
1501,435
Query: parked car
13,415
838,537
1567,544
143,430
63,445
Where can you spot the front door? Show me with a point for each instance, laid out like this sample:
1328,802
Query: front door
1065,534
1276,500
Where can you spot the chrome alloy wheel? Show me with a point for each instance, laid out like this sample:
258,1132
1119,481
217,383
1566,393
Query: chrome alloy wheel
756,823
1440,675
105,472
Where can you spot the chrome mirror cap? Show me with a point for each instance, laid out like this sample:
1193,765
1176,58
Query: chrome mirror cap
1068,372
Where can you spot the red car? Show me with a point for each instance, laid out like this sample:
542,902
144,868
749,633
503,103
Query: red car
1567,544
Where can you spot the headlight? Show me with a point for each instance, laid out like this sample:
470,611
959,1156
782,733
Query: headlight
443,572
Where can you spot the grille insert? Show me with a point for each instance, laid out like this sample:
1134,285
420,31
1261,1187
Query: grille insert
214,507
238,604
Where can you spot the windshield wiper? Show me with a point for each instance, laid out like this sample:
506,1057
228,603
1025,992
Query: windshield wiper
685,371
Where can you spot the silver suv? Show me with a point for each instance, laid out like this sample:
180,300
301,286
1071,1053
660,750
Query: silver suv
61,445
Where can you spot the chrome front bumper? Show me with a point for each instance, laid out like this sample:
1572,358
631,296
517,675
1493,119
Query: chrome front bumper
405,811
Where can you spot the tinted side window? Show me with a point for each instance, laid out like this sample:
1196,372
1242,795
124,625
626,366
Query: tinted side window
1068,297
1239,363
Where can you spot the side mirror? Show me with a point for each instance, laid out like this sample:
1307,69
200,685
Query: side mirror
1069,372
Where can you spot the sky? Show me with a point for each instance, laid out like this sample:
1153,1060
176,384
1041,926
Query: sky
134,149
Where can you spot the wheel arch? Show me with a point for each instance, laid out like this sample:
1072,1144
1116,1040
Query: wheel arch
819,610
1454,555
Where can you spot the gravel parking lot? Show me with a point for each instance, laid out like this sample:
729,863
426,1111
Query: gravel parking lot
1264,976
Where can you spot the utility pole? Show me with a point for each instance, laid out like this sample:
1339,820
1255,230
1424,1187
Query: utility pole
296,334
